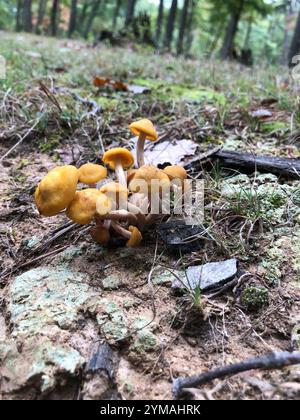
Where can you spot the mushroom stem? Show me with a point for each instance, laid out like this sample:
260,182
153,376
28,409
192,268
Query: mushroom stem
141,218
120,230
140,147
120,174
121,215
102,223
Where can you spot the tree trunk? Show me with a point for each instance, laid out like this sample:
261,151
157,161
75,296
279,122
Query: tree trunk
27,15
217,31
248,35
170,25
91,17
159,21
54,17
19,25
116,13
130,12
73,18
41,15
84,13
182,27
228,45
295,44
189,26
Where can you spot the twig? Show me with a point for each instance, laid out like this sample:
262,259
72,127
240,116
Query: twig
276,360
50,96
20,141
203,156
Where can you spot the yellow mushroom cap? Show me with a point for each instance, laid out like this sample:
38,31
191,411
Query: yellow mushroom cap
103,205
56,190
100,234
144,126
115,191
90,173
175,172
82,208
136,237
149,173
118,154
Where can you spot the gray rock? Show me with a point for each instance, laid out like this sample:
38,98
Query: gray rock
207,276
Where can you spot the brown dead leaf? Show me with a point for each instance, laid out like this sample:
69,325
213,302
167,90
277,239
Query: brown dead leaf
101,81
118,85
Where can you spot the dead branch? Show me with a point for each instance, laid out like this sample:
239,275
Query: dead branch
249,162
276,360
288,168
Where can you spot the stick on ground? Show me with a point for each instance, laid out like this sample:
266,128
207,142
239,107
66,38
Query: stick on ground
249,162
276,360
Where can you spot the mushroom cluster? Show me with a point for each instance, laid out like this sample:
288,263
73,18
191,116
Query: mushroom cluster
123,206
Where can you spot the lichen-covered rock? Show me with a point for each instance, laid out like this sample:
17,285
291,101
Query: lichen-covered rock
44,310
41,364
282,256
111,283
262,196
254,297
144,341
111,320
46,296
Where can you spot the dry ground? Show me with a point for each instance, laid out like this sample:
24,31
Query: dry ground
117,295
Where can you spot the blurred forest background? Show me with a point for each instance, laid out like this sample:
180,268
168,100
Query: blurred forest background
246,30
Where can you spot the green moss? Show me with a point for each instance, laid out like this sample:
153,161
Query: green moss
254,297
269,127
49,144
167,91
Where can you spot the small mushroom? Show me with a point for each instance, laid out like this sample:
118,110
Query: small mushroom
140,201
82,208
149,173
90,174
56,190
100,234
144,129
121,216
133,234
116,192
103,205
175,172
119,159
104,212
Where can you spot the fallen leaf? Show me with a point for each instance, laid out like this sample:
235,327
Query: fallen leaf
173,152
261,113
101,81
118,85
138,90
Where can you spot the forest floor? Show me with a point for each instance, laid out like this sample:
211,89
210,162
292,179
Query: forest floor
63,297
